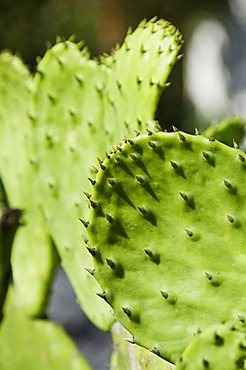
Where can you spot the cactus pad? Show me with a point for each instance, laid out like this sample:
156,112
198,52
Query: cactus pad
129,356
37,345
227,131
221,347
167,233
80,109
33,258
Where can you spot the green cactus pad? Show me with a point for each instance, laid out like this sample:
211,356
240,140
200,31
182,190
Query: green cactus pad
72,127
65,141
221,347
129,356
168,238
33,257
139,73
37,345
229,131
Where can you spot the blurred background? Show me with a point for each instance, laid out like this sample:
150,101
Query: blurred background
208,84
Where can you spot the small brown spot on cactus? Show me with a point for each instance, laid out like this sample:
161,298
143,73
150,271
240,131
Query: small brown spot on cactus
142,210
205,363
127,311
209,157
189,233
218,340
139,80
152,144
230,218
52,97
109,218
241,318
143,49
88,196
181,137
103,295
84,222
208,275
79,78
134,157
93,182
174,165
155,257
184,196
241,158
227,184
101,164
119,84
94,170
90,271
85,239
140,179
169,297
111,263
92,251
93,204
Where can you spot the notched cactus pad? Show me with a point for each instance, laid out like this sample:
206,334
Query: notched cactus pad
221,347
167,234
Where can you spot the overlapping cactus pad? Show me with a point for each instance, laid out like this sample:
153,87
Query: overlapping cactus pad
167,233
81,107
33,258
221,347
37,345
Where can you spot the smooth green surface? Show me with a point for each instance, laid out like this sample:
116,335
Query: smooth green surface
80,108
33,256
221,347
128,356
27,344
227,131
168,237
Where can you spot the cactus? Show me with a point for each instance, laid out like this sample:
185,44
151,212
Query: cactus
80,108
229,131
167,216
35,344
139,73
9,222
127,355
220,347
32,245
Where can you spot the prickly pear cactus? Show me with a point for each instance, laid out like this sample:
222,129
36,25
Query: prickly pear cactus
79,111
229,131
167,235
129,356
36,344
33,257
139,72
221,347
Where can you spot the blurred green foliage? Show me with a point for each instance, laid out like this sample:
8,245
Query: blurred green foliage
27,25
